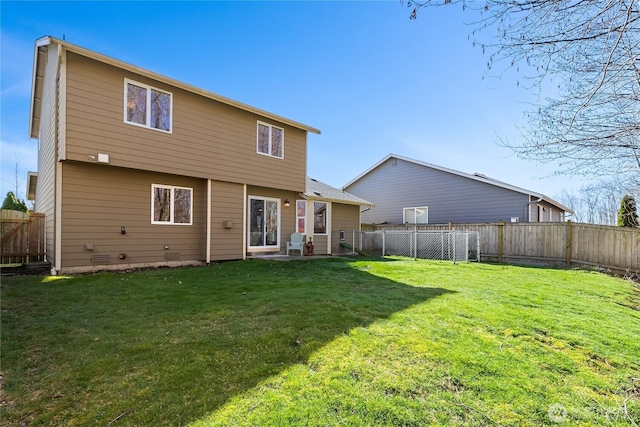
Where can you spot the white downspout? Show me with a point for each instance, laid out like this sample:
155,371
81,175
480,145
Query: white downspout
244,222
58,155
329,226
208,256
58,221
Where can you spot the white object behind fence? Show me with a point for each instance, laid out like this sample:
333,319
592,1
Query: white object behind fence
441,245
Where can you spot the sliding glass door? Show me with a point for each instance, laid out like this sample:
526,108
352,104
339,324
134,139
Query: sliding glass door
264,222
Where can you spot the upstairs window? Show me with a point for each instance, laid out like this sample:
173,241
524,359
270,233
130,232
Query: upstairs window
171,205
147,106
419,215
270,140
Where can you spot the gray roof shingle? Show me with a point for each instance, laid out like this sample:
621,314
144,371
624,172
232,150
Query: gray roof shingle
320,190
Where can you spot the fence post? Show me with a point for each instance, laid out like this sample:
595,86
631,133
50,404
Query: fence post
500,240
569,245
466,246
384,241
455,237
353,242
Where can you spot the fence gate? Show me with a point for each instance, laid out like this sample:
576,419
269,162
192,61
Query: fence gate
442,245
22,237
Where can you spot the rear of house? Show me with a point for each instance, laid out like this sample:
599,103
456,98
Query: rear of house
409,191
137,169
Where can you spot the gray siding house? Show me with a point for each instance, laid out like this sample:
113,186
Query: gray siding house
405,190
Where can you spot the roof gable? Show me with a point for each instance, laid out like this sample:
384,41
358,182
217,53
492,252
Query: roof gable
38,74
476,177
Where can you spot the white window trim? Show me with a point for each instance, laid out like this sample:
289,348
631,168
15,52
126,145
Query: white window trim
305,217
148,117
326,218
270,126
404,214
171,216
274,248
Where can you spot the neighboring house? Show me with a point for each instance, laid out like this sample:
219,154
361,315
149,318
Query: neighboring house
405,190
137,169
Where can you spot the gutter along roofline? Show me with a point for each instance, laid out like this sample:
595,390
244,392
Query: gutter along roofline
48,40
475,177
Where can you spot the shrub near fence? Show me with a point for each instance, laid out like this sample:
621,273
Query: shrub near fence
548,243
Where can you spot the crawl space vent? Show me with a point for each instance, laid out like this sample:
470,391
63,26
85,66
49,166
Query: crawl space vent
101,259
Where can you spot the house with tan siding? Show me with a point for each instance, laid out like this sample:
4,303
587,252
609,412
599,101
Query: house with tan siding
136,169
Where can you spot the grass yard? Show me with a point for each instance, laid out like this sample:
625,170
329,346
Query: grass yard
331,342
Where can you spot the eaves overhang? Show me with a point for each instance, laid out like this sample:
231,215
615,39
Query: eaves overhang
37,81
32,183
320,191
475,177
40,63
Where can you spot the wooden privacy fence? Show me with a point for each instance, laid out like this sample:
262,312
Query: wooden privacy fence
548,243
22,237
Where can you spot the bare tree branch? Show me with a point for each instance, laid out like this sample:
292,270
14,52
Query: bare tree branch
592,47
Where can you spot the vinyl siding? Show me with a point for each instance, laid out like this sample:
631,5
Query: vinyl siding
320,244
45,190
347,218
550,213
226,204
99,200
397,184
208,140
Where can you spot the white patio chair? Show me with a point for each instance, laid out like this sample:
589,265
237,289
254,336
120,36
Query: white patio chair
296,243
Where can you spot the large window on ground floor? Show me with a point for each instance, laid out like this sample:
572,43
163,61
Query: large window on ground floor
264,222
416,215
171,205
319,217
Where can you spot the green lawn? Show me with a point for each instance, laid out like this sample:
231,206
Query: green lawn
322,342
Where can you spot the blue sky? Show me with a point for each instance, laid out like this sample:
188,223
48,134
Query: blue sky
373,81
